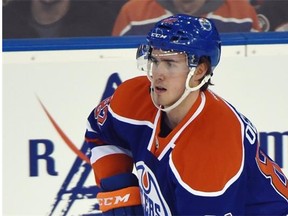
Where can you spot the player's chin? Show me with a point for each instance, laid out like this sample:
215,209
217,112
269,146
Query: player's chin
160,102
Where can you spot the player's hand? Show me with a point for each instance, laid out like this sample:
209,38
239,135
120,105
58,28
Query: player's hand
120,195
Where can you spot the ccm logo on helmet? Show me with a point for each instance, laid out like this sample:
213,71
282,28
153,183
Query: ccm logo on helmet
108,201
158,35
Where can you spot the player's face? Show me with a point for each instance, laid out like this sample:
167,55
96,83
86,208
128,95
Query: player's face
169,73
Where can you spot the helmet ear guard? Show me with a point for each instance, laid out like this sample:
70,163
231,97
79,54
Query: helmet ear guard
193,60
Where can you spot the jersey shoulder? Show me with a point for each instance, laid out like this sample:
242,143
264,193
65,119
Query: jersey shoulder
135,14
236,9
142,10
210,154
132,99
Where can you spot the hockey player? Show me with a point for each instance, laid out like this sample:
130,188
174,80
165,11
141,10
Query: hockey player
194,153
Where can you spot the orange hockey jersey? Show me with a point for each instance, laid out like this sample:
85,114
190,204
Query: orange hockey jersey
210,164
138,17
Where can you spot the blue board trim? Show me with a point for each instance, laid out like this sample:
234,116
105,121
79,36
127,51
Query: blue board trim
39,44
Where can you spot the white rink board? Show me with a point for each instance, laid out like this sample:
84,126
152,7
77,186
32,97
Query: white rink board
71,83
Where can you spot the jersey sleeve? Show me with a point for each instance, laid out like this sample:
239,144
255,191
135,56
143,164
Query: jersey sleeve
224,171
108,134
109,155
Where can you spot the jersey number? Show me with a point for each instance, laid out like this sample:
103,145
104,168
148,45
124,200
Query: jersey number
273,171
101,111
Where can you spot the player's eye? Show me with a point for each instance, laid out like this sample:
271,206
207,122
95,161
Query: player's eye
154,60
169,63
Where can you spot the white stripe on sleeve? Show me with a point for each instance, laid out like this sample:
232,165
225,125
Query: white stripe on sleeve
102,151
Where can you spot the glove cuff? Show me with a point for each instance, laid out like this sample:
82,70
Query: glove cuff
125,197
119,181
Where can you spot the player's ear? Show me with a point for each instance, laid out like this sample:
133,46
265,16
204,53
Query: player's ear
201,71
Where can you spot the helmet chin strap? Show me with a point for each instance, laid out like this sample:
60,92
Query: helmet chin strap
186,92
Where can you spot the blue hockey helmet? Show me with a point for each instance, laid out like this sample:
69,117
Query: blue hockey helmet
196,36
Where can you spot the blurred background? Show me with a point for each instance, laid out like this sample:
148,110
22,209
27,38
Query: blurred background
80,18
